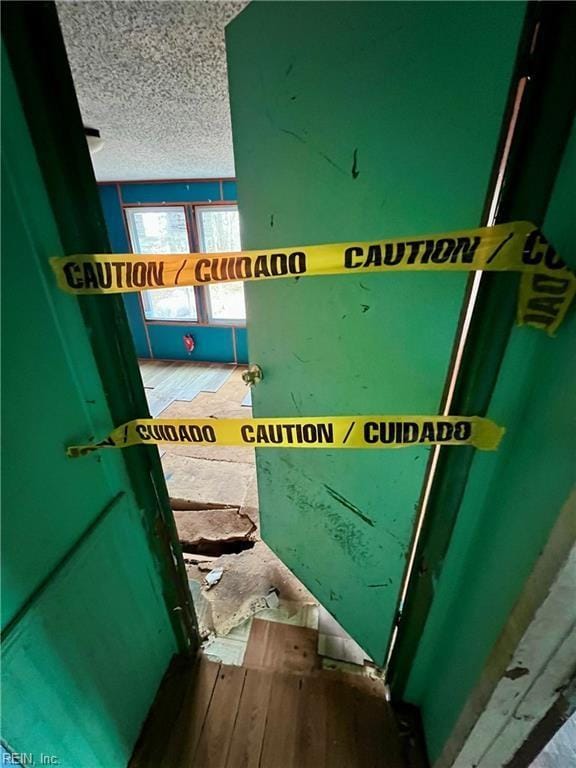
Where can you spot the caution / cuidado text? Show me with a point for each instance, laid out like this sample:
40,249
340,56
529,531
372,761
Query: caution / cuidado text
374,432
547,286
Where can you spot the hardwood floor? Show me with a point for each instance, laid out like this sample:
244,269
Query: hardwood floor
283,647
279,710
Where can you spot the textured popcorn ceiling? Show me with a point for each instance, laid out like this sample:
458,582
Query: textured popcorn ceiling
151,76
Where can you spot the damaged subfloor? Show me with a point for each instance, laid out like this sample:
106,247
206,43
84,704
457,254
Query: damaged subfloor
233,575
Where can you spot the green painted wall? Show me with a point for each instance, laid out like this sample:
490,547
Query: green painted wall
87,634
511,503
312,88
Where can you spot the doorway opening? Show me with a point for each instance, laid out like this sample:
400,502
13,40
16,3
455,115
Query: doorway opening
233,576
168,186
191,342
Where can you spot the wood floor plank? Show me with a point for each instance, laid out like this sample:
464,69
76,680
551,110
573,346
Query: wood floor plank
311,725
175,377
151,744
377,742
155,371
183,381
257,644
193,716
173,740
216,716
219,376
280,735
158,401
248,735
216,735
340,733
284,647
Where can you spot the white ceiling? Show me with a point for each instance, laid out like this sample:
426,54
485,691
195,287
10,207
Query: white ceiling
151,76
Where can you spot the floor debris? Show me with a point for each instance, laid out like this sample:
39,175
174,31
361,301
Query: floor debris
336,644
213,531
206,480
272,599
213,577
249,578
205,564
234,577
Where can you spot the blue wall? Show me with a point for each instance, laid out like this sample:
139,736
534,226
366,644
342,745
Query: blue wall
164,341
171,192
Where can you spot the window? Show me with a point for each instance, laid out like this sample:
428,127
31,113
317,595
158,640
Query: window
163,230
218,231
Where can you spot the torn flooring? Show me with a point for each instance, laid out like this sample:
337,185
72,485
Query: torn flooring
214,497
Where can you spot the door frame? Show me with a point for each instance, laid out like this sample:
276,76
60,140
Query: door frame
527,161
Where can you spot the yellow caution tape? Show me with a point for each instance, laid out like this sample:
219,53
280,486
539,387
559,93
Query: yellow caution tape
306,432
547,287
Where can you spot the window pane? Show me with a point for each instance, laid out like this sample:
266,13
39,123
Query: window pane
158,230
163,230
219,231
170,304
227,301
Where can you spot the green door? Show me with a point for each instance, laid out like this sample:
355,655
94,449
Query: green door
358,121
91,594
